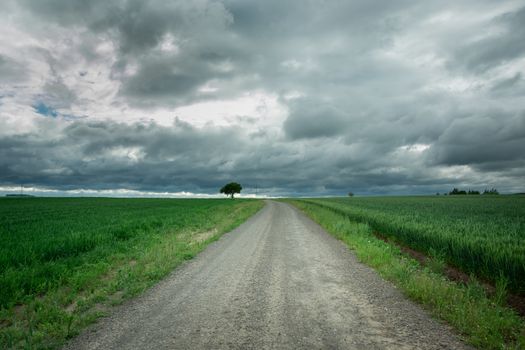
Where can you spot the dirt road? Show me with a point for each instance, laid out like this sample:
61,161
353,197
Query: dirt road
276,282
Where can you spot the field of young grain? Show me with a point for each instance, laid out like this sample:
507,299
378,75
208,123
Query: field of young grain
63,261
482,235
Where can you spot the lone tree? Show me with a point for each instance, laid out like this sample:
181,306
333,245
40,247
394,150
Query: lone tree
231,188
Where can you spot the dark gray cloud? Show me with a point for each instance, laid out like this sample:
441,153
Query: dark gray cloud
374,97
158,80
310,120
150,157
108,155
11,72
495,139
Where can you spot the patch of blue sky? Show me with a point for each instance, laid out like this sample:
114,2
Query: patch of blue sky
45,110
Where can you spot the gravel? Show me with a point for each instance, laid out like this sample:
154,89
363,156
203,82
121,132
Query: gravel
278,281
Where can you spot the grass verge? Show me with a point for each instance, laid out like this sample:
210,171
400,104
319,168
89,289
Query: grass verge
481,319
47,320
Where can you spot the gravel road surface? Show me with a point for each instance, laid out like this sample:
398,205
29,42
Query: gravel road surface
276,282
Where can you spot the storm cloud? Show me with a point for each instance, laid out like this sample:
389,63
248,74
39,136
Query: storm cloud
291,98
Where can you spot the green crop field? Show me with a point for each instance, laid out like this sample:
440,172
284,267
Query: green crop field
482,235
62,260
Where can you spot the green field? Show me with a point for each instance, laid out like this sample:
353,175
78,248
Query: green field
482,235
64,260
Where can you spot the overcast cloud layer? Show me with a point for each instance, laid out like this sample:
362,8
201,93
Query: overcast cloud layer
292,97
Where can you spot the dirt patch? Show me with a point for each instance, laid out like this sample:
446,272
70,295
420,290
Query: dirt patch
71,307
99,308
203,236
19,313
117,295
116,298
19,309
516,302
111,274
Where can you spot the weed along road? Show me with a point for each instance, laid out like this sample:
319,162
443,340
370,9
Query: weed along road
276,282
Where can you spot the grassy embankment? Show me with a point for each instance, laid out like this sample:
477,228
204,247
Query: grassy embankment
483,236
65,261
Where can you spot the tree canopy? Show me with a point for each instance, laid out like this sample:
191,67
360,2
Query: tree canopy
231,188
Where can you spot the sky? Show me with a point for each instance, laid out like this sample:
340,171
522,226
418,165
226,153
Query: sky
288,98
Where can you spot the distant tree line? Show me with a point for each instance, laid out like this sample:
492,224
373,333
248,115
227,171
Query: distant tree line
456,191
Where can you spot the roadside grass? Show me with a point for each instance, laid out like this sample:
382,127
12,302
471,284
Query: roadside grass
481,319
90,282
